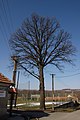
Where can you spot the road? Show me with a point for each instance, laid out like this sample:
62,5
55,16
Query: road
63,116
55,116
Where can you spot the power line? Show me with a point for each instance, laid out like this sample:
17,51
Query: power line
62,83
9,11
4,34
3,27
68,75
6,19
73,70
77,69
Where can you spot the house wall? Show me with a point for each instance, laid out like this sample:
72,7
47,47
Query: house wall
3,100
3,106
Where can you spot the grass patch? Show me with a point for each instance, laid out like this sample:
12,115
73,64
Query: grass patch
64,110
36,107
27,107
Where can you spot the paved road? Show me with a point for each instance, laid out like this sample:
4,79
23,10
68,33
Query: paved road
56,116
63,116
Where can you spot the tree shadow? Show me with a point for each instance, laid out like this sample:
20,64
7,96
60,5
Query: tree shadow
34,114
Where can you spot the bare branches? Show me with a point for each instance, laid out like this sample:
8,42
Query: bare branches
35,75
40,41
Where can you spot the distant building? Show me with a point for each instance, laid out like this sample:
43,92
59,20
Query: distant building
56,98
63,98
4,85
35,97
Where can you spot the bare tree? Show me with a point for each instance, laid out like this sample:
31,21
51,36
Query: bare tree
40,42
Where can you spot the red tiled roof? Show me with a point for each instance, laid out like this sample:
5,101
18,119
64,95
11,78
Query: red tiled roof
4,79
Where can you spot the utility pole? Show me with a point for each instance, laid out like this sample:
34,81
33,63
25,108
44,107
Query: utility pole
18,79
52,90
28,90
17,88
14,58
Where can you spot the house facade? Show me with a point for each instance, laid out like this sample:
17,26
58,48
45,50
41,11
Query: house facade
4,85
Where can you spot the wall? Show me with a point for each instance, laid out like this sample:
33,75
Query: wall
3,100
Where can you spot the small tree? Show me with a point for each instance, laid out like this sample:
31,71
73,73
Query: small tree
39,42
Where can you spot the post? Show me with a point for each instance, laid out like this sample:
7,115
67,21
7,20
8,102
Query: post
28,90
52,91
17,88
14,81
11,103
15,68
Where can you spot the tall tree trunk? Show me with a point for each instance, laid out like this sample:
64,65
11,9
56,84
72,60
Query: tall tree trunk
42,90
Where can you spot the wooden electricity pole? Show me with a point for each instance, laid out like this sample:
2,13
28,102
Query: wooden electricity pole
14,58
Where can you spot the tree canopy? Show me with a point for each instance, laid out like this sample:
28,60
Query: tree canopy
40,41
